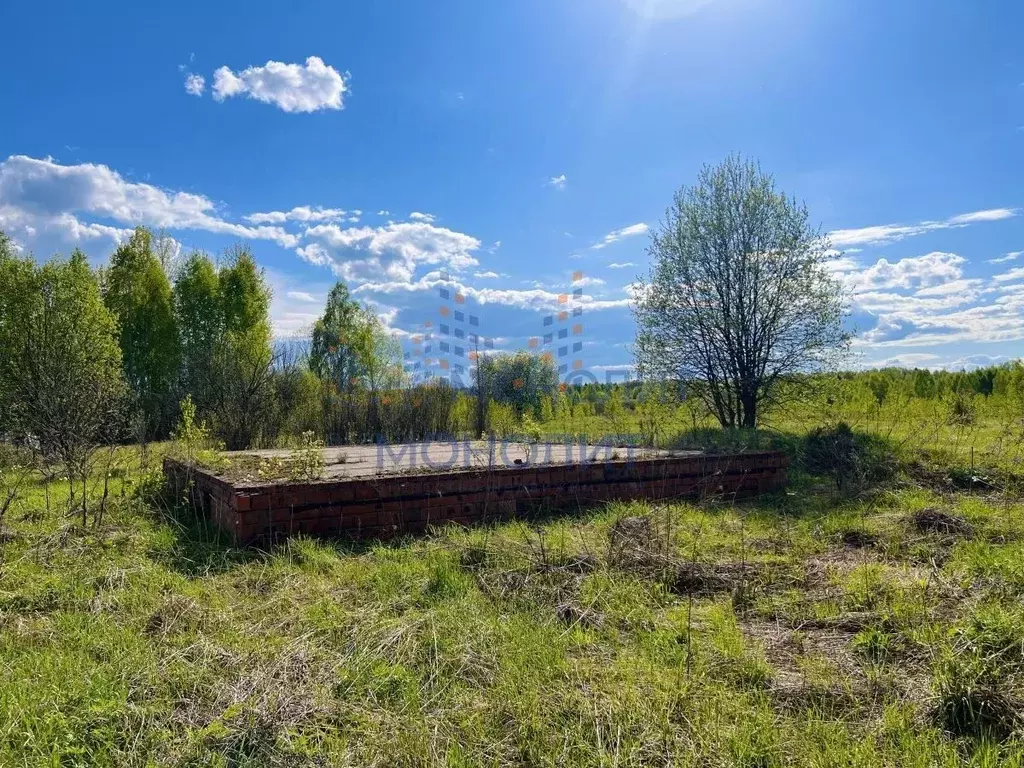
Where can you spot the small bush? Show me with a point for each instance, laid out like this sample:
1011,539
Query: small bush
973,698
972,710
962,409
852,461
309,459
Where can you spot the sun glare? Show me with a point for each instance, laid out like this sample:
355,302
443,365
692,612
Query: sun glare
666,9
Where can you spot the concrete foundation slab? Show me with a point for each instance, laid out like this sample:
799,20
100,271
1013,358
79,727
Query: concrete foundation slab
386,490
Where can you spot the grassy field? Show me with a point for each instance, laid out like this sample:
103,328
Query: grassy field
801,628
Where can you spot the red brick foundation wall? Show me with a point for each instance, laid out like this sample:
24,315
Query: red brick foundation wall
384,506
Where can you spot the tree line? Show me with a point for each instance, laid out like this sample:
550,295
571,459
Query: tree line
93,356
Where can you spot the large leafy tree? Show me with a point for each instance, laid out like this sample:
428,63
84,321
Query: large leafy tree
200,319
138,293
243,363
61,381
334,354
739,296
227,353
352,349
520,380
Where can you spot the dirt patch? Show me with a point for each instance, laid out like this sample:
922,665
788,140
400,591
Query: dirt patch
935,520
814,669
632,545
177,614
702,579
530,587
631,533
823,570
576,564
572,613
850,622
858,539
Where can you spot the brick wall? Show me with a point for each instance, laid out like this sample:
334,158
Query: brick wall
385,506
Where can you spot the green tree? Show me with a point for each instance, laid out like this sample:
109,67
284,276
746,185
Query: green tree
15,276
243,361
380,358
739,296
924,383
519,380
138,293
352,352
200,320
61,380
378,353
333,354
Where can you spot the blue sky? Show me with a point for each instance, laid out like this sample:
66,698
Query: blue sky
513,144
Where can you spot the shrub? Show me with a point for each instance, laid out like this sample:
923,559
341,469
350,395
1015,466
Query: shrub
309,464
850,460
972,703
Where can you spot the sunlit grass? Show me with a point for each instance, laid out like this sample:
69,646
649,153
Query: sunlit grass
804,628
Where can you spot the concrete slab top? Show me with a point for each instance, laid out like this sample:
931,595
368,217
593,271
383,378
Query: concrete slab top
349,462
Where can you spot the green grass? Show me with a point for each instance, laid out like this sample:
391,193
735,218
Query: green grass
927,430
800,629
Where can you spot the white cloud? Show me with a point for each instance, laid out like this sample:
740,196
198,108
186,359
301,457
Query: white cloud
534,299
315,254
486,275
891,233
427,217
936,362
394,250
841,265
1013,274
992,214
909,360
295,304
195,84
626,371
1011,256
918,272
558,182
383,212
613,237
40,195
970,362
961,287
887,301
291,87
303,213
621,265
926,301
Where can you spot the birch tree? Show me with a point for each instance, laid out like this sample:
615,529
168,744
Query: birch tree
739,296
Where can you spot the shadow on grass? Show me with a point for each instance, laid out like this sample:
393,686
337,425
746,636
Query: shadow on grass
201,548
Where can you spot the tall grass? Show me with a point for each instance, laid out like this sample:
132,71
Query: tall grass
757,634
